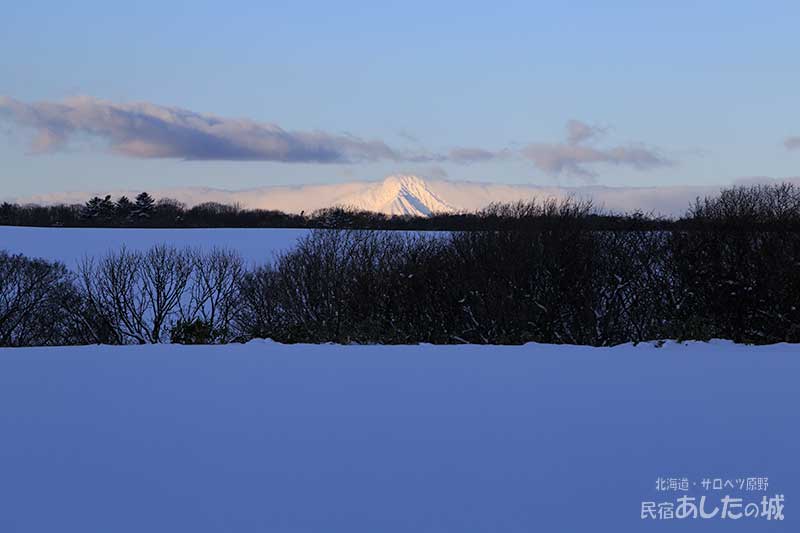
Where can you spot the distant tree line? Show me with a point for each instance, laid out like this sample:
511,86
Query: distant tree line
545,274
145,212
763,206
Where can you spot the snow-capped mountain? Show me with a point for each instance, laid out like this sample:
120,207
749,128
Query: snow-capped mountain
399,195
410,195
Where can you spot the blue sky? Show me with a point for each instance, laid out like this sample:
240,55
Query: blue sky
708,89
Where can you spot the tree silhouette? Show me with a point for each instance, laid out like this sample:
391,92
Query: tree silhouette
123,208
145,204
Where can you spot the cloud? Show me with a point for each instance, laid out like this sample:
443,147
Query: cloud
792,143
578,132
147,131
437,172
404,134
573,156
572,160
471,155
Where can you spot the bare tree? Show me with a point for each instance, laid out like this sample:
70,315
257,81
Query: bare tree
138,293
259,315
208,310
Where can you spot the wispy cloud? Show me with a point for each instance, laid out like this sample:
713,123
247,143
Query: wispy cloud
573,160
145,130
471,155
576,154
437,172
408,136
792,143
578,132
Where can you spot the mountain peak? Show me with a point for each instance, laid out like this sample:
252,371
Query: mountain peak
399,195
404,181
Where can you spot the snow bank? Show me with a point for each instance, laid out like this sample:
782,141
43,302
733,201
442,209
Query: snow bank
268,437
70,245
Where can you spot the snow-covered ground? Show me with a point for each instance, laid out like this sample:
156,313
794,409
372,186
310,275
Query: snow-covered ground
274,438
70,245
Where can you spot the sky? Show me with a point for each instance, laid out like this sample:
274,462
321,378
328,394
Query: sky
249,94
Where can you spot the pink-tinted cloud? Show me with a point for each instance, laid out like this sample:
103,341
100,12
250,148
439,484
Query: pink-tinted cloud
147,131
471,155
578,132
575,156
144,130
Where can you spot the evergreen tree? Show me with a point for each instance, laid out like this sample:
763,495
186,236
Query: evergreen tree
145,204
106,209
7,213
123,208
91,210
99,209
